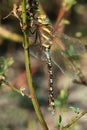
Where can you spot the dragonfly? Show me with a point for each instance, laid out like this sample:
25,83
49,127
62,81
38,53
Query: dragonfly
50,46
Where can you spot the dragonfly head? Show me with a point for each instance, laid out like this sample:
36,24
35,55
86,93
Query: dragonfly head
42,19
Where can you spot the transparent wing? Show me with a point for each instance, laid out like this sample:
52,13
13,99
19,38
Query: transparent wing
61,60
37,51
71,44
64,50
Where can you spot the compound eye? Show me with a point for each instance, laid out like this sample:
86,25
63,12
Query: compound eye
40,20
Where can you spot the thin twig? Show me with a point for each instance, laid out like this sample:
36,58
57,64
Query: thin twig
74,120
9,35
20,91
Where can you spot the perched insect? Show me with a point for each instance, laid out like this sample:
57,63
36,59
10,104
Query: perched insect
56,47
48,45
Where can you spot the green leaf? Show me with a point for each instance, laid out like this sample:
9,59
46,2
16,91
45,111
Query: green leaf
59,119
75,109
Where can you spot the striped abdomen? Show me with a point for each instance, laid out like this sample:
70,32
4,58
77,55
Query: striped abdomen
49,63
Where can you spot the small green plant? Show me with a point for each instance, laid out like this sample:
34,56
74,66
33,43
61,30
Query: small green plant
59,122
62,98
75,109
5,63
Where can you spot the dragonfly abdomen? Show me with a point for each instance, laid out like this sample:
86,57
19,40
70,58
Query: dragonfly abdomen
49,63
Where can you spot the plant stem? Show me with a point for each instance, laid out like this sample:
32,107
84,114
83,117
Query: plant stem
28,71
